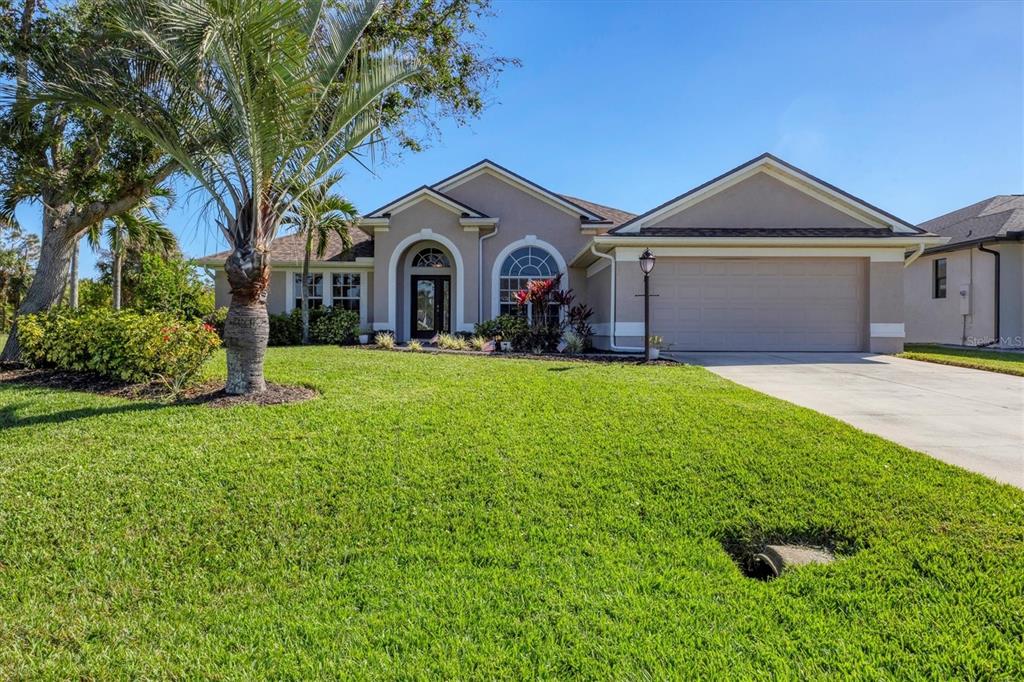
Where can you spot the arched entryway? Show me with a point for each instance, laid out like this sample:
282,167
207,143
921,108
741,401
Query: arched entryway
427,286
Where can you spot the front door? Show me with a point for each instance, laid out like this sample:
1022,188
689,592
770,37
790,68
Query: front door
431,309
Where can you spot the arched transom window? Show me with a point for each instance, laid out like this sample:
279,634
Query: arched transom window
520,267
431,258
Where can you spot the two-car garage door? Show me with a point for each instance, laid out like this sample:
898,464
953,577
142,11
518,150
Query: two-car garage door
760,304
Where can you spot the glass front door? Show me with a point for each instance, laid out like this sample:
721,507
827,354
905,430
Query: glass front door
431,310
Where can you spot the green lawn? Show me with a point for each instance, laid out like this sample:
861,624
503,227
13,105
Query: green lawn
993,361
464,517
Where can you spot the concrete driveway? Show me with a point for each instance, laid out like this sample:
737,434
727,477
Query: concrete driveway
966,417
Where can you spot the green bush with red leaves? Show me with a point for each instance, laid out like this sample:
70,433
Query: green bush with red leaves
125,345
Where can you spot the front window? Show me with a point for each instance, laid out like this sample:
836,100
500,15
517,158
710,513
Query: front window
939,290
345,290
314,287
519,269
431,258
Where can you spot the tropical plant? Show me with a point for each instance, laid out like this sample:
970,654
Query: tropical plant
81,167
18,254
451,342
385,340
257,102
139,229
317,215
478,343
415,346
574,344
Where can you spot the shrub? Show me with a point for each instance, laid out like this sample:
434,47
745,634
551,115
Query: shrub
168,285
385,340
478,343
508,327
216,320
415,346
118,344
335,325
573,343
285,330
451,342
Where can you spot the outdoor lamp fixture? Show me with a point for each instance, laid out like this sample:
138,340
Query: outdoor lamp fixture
647,264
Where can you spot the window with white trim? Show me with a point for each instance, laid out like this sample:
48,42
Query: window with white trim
431,258
520,267
315,289
345,289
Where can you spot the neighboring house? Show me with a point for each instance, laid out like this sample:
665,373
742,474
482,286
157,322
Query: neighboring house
764,257
970,291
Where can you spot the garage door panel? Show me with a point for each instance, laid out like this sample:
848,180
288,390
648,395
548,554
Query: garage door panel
760,304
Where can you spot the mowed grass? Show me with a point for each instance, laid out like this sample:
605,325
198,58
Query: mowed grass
462,517
992,361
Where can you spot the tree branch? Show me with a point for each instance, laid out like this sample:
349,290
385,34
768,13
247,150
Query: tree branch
98,211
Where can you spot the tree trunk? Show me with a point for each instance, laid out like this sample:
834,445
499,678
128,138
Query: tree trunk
73,277
50,279
247,328
305,289
116,285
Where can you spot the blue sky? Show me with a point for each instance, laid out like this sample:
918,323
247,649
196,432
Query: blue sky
915,107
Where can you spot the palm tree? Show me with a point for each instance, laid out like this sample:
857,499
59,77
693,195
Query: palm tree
318,214
257,101
140,229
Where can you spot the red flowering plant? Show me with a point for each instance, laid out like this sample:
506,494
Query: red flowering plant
541,300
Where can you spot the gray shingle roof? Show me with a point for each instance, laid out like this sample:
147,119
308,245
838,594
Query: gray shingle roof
290,248
998,217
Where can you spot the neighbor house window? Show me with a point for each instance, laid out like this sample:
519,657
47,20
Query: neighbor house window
315,287
345,290
939,290
431,258
522,266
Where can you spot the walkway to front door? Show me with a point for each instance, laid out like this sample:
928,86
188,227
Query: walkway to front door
431,314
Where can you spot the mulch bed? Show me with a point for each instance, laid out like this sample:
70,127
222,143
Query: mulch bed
615,358
210,394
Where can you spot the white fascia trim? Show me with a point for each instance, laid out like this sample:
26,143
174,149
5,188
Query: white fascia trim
528,240
891,330
429,195
460,275
621,329
798,181
374,222
546,197
479,222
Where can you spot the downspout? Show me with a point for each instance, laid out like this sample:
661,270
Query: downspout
914,256
611,330
981,247
480,275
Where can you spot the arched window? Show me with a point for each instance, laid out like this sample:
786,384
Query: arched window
520,267
431,258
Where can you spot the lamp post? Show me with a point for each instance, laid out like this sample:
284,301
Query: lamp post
647,264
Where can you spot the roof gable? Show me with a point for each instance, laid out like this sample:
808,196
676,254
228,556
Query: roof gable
769,171
587,216
426,193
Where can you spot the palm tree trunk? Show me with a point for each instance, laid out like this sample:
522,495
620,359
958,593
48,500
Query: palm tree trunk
73,297
247,328
116,285
50,279
305,288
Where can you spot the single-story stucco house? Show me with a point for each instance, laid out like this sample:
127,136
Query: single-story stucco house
763,257
970,291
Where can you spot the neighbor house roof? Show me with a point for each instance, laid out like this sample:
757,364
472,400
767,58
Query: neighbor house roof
613,217
998,217
291,248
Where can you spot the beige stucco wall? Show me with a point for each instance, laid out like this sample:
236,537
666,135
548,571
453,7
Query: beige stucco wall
221,289
932,320
885,307
405,234
520,215
759,201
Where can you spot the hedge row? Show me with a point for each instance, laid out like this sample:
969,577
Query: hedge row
122,345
